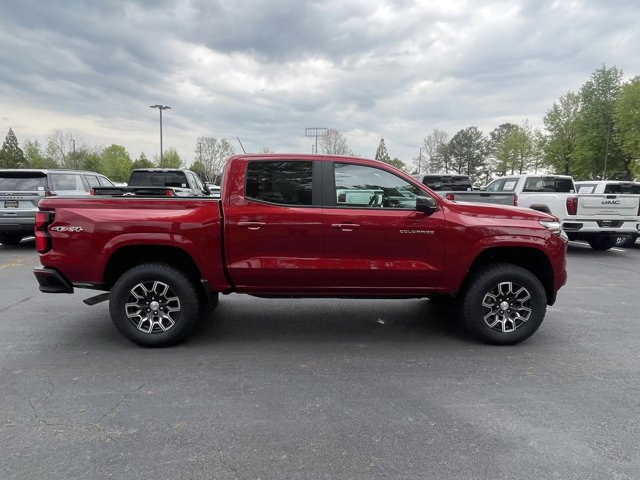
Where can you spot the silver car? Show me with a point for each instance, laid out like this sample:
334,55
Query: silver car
21,189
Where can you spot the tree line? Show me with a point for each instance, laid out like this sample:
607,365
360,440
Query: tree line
590,134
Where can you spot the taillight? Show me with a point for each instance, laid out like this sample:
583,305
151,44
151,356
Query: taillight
49,193
515,200
572,205
43,240
169,193
92,191
450,196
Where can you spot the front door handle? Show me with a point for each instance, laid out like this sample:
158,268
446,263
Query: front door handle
345,227
252,225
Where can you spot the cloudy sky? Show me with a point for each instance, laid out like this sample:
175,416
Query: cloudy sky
265,71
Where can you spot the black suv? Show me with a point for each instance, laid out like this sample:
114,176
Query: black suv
21,189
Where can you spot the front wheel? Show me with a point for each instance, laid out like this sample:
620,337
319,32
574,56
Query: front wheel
503,304
154,305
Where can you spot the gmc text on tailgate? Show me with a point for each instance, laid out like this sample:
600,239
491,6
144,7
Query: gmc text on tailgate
305,226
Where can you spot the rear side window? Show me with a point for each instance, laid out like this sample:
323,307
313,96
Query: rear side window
288,183
15,182
66,181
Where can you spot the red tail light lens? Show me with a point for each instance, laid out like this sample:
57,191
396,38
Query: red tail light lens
450,196
43,240
92,191
515,200
572,205
169,193
49,193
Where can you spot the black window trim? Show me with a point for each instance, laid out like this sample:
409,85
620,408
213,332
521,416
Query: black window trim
315,183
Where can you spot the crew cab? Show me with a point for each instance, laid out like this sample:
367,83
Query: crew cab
302,226
597,218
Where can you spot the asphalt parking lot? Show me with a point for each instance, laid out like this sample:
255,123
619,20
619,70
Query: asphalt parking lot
323,389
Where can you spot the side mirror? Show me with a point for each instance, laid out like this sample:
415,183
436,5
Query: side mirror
426,205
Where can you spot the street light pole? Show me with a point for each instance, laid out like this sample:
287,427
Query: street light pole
161,108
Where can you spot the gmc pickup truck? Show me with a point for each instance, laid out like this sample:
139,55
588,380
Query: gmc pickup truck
301,226
458,187
599,219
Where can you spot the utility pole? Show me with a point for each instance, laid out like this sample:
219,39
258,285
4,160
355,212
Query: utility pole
420,160
161,108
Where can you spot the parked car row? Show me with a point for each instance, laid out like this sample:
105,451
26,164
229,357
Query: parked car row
22,189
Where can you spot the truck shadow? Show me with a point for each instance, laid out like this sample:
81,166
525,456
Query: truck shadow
240,319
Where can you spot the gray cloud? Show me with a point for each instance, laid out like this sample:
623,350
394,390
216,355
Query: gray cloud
266,70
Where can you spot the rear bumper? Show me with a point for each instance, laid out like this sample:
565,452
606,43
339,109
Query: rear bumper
52,281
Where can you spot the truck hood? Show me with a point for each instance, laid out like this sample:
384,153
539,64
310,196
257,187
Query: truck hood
485,210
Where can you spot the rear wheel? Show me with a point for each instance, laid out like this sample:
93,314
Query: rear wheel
602,243
154,305
503,304
10,238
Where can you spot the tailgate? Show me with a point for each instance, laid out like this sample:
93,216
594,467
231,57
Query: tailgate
608,205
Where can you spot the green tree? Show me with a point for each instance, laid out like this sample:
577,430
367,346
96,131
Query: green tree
143,162
561,125
499,150
11,155
399,164
198,168
34,156
381,153
468,151
626,115
116,163
596,154
172,159
91,161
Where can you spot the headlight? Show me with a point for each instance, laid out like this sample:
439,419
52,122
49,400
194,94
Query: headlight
554,226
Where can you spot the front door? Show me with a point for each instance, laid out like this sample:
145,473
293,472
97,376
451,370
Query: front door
376,241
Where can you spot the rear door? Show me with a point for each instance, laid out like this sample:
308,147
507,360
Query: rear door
274,235
376,241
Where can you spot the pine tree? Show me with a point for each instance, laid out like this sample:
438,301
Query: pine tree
381,153
11,155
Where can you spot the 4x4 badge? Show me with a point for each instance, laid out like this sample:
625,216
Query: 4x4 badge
66,229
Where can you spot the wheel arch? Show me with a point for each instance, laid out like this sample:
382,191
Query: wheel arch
130,256
531,259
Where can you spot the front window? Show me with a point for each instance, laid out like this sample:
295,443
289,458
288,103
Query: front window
360,186
283,182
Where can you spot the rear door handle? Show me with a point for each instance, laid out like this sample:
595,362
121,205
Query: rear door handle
345,227
252,225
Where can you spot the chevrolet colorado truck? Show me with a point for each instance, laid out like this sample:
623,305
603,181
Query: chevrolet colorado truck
301,226
599,219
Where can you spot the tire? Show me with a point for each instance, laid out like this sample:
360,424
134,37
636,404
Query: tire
163,287
627,242
503,304
602,243
10,239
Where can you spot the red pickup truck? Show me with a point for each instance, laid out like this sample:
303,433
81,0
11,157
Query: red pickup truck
304,226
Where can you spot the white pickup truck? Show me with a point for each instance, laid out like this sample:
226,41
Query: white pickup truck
458,187
612,186
600,219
